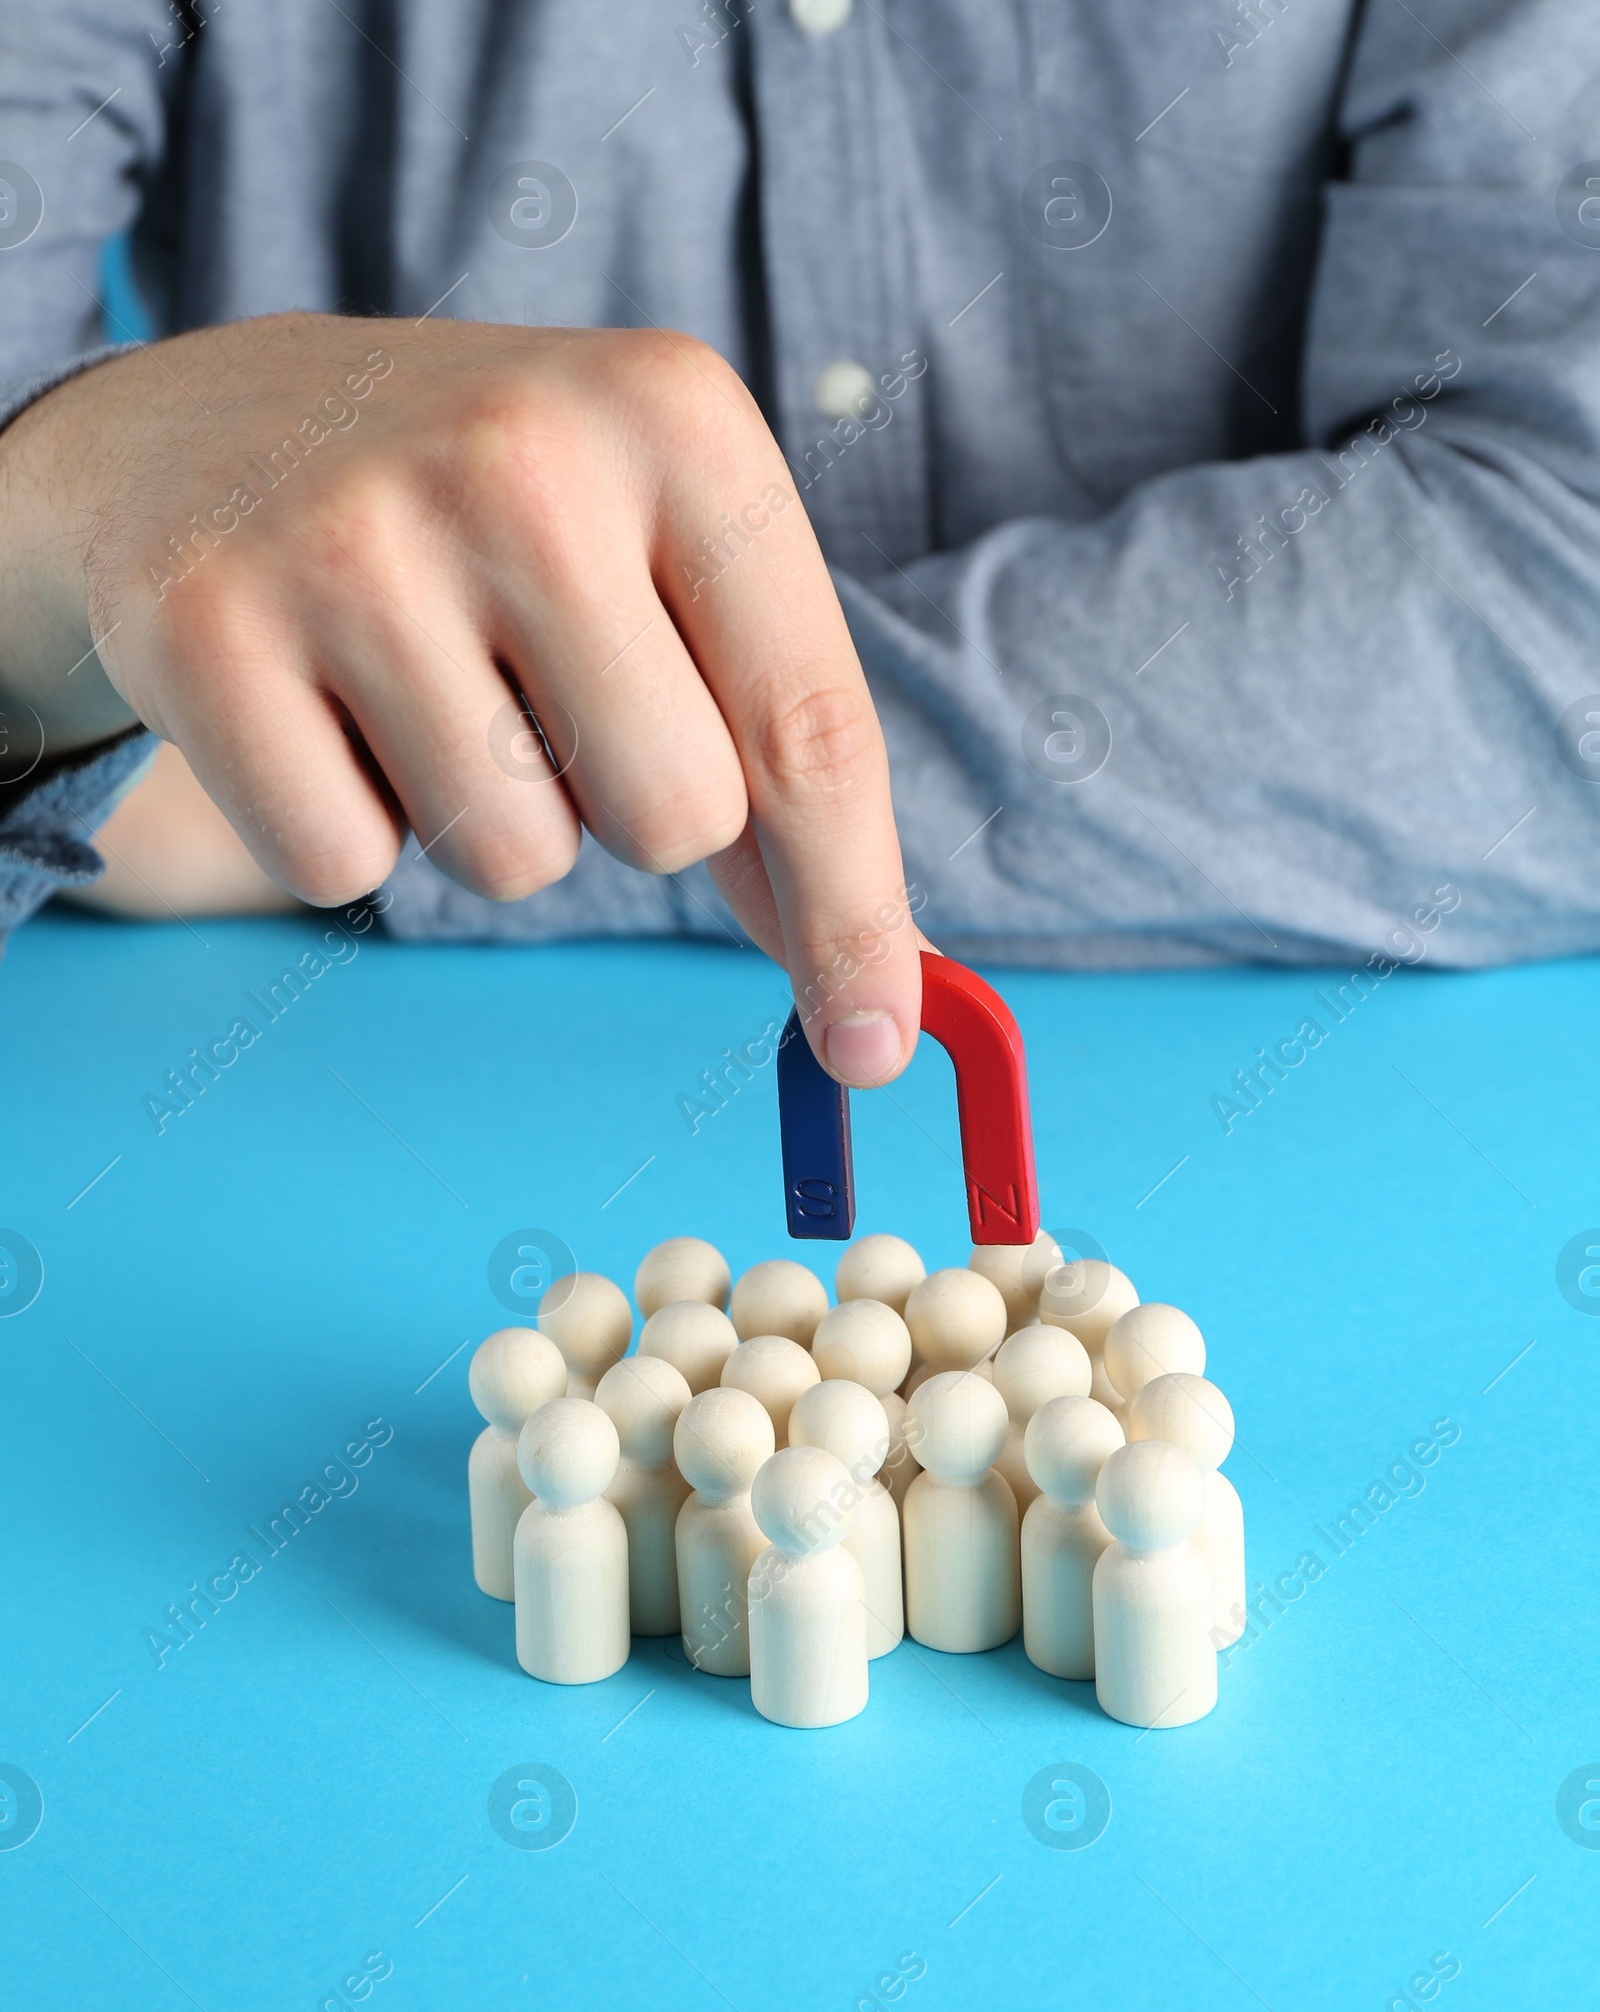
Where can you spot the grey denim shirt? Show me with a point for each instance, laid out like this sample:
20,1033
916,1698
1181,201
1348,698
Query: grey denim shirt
1214,500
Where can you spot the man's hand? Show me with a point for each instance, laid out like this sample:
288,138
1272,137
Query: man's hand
485,582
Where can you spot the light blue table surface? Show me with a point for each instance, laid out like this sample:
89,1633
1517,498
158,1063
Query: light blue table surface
1373,1256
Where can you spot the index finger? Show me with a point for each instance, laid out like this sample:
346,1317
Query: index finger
759,613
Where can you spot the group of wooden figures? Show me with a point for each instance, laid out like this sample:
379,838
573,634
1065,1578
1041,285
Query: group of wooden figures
793,1487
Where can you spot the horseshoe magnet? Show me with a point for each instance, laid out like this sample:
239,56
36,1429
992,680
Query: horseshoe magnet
970,1020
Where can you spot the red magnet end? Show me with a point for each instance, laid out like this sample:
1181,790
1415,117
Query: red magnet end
975,1026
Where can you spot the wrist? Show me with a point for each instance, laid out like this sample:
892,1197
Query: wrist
55,697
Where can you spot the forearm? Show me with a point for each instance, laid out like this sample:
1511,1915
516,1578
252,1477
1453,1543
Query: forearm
1304,740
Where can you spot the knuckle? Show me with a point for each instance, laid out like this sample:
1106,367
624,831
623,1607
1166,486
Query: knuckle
327,874
668,838
225,615
510,865
686,816
361,525
682,386
500,438
207,608
823,745
519,473
657,356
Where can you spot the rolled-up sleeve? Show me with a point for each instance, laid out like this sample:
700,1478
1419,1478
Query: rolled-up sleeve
83,121
46,826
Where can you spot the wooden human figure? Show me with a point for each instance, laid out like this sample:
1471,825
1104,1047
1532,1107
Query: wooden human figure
1154,1664
694,1336
720,1442
589,1320
774,1370
1189,1412
778,1296
1018,1270
863,1341
1034,1365
681,1268
957,1319
879,1267
847,1420
866,1341
1149,1341
644,1398
808,1634
963,1577
899,1468
1087,1296
571,1552
1039,1259
511,1375
1068,1441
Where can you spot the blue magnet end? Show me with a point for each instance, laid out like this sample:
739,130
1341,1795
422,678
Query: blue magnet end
819,1189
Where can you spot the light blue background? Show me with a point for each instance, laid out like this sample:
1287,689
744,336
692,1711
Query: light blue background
124,316
296,1255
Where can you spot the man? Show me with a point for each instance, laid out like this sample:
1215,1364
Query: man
1186,430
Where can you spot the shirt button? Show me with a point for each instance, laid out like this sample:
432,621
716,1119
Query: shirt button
844,390
820,17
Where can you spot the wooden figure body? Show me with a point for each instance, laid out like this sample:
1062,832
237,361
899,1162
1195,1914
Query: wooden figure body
571,1551
1189,1412
511,1375
848,1421
1154,1663
644,1397
1068,1441
808,1637
899,1468
720,1443
963,1575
